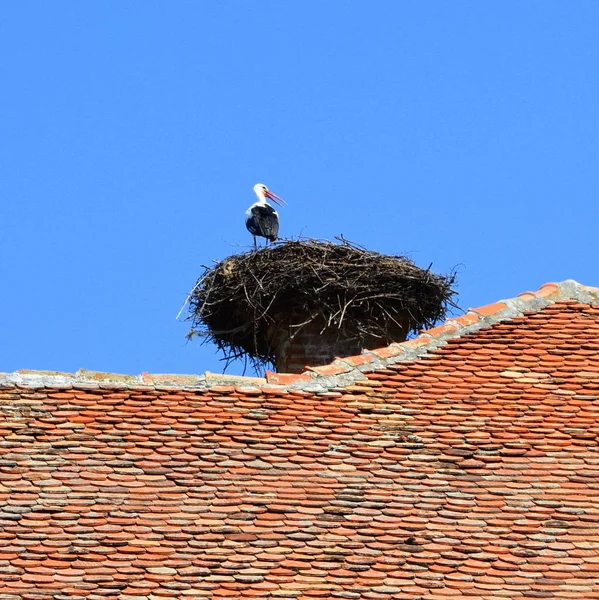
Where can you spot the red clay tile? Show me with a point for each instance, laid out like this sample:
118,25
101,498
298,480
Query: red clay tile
388,351
328,370
490,309
447,328
549,289
285,378
358,359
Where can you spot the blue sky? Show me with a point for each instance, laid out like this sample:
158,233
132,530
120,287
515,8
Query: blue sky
465,134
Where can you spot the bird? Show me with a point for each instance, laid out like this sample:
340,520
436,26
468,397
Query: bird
261,219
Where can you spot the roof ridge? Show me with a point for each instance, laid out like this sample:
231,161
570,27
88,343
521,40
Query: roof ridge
339,373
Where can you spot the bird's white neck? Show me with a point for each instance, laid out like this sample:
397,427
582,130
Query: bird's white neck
261,197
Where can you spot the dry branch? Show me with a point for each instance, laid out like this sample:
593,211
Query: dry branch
342,285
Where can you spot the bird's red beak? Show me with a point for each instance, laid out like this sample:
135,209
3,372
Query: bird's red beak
275,198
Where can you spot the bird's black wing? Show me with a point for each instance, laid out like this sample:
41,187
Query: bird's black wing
264,222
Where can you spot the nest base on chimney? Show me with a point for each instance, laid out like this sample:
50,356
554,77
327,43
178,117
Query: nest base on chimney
327,299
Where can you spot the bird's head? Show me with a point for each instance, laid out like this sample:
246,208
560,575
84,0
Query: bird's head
263,193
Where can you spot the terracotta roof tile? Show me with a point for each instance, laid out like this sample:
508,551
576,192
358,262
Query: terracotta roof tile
461,464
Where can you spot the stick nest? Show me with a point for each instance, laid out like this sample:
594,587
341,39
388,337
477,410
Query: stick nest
236,303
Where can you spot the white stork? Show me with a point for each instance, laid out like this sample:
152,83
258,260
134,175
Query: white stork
261,219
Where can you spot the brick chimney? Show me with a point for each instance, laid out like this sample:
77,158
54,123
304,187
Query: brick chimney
313,344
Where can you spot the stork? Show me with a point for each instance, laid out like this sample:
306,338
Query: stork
261,219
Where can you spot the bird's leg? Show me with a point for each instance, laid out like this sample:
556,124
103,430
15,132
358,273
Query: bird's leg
255,244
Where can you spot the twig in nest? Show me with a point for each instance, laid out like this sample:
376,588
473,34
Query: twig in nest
195,287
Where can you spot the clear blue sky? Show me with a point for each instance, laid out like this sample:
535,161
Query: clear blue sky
458,133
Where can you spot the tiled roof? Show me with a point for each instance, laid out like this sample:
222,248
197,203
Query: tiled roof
464,463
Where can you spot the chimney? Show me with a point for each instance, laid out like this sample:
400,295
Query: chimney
303,303
314,343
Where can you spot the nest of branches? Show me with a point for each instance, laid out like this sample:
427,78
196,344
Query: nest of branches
237,303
